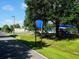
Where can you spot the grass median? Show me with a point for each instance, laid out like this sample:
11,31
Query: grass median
63,49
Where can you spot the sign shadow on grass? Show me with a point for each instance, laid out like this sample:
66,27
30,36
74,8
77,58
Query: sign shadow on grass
32,45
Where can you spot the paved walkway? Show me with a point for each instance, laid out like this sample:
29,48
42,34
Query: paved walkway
13,49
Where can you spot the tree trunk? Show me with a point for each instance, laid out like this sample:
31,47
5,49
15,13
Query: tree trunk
77,28
57,29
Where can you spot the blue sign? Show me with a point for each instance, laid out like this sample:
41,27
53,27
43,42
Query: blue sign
39,23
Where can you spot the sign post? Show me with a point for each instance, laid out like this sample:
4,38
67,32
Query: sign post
35,36
41,36
39,25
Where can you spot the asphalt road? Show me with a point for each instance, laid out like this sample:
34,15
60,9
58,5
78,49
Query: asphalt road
13,49
2,33
4,36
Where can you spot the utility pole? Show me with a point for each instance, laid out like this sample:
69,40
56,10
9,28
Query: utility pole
13,25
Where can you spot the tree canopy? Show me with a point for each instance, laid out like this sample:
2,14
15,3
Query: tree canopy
6,28
61,11
50,9
17,26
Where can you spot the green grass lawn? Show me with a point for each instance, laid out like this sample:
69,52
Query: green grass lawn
64,49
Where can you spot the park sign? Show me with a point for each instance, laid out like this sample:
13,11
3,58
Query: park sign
39,24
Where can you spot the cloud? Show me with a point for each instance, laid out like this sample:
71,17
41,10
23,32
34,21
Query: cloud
23,6
11,22
8,7
8,22
19,22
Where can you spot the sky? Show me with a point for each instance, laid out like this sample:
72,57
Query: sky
9,8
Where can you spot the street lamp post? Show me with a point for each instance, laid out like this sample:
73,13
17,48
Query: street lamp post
13,25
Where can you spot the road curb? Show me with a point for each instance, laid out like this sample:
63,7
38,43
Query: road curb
40,54
37,53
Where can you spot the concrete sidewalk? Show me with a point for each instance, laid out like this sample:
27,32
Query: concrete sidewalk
7,38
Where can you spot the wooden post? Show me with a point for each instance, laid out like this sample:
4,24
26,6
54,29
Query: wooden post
35,36
41,37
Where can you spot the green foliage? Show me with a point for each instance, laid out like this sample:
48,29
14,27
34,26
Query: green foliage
11,28
6,28
26,23
16,26
31,26
50,10
0,29
77,7
60,11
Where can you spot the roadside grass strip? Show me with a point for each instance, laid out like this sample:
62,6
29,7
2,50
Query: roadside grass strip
63,49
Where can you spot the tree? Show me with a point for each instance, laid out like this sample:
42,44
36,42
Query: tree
6,28
60,11
0,28
11,28
34,11
17,26
75,21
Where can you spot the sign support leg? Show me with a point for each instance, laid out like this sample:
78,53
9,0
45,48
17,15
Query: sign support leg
41,38
35,36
